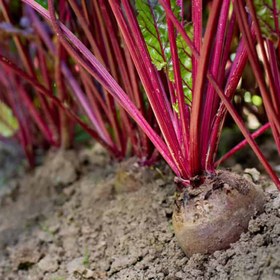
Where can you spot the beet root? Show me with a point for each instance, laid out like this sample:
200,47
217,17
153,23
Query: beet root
213,216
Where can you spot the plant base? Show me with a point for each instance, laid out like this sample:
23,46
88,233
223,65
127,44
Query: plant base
213,216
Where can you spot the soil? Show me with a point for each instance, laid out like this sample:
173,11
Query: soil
82,216
11,162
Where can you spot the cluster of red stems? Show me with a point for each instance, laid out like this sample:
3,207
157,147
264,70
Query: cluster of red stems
90,59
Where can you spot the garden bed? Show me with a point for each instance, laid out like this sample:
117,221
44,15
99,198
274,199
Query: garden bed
81,216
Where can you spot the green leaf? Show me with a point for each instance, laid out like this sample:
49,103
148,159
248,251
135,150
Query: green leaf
264,10
43,3
152,21
257,100
175,107
8,122
184,54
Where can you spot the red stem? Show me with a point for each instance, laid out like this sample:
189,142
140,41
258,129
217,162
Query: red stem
211,99
179,86
235,74
253,58
275,101
64,125
62,105
97,70
150,80
242,144
197,114
245,132
197,33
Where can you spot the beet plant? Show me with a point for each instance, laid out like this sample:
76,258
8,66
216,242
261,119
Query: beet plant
37,122
190,59
60,91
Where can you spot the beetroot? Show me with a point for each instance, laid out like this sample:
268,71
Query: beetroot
213,216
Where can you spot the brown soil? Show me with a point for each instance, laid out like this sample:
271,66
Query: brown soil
81,216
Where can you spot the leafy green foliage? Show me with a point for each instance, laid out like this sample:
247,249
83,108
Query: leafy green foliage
264,9
152,21
184,54
8,122
43,3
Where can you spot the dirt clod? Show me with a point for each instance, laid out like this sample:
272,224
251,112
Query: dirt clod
48,264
